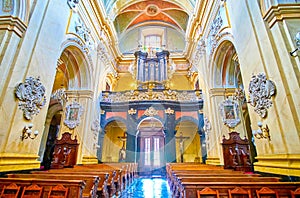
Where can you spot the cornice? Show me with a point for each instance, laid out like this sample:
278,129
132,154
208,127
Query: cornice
221,91
281,12
11,23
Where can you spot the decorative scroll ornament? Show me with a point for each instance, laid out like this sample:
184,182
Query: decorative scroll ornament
230,113
207,128
73,3
260,91
132,111
32,97
96,126
73,114
84,33
169,111
151,112
60,96
169,95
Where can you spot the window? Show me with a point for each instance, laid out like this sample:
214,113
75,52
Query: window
147,151
153,41
156,160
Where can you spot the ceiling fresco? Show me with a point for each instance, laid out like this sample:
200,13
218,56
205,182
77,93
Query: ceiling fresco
153,12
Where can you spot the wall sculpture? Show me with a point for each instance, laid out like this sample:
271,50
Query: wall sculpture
260,92
31,95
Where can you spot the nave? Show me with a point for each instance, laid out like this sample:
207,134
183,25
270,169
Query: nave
121,180
147,187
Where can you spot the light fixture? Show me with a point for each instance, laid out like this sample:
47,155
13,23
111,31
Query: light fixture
262,132
27,132
297,42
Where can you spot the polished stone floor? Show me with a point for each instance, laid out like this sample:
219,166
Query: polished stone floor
148,188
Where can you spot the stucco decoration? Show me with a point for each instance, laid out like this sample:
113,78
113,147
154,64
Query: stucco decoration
151,111
7,5
96,126
260,92
85,33
207,127
230,113
73,3
169,95
60,96
32,97
73,114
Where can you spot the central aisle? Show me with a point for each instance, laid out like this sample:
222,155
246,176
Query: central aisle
148,188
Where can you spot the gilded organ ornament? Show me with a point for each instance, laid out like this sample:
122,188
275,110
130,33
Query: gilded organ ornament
260,92
31,95
151,111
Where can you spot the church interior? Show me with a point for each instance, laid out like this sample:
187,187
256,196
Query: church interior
131,89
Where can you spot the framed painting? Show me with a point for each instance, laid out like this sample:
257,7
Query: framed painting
73,114
230,113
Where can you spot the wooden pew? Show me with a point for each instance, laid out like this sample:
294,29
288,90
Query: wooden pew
189,189
195,179
120,174
75,186
174,180
91,181
172,173
104,187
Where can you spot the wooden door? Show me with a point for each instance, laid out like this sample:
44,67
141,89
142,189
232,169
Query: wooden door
151,152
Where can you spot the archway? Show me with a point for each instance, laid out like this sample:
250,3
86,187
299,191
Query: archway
150,146
72,73
188,148
228,75
114,142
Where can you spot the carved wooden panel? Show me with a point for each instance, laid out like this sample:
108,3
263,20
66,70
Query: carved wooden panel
65,152
236,152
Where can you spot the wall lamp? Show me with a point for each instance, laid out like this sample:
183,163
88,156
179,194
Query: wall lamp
27,132
297,42
262,132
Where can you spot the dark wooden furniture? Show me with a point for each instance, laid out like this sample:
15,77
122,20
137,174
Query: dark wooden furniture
91,182
295,193
75,186
58,191
266,192
239,192
236,153
10,191
65,151
207,192
33,191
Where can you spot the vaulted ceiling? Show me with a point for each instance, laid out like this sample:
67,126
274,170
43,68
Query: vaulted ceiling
129,14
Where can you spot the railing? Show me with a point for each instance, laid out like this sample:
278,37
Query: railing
152,95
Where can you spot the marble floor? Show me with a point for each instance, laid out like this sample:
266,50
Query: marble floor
148,188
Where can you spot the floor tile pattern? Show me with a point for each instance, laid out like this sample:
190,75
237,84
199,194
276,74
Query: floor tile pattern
148,188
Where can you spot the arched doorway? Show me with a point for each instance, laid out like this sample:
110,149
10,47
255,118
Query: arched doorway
114,142
150,145
188,148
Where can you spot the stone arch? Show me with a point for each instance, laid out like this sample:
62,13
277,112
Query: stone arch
112,144
224,65
115,118
188,148
157,121
51,128
186,118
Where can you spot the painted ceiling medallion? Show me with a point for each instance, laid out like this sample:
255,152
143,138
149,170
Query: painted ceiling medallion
152,10
32,97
